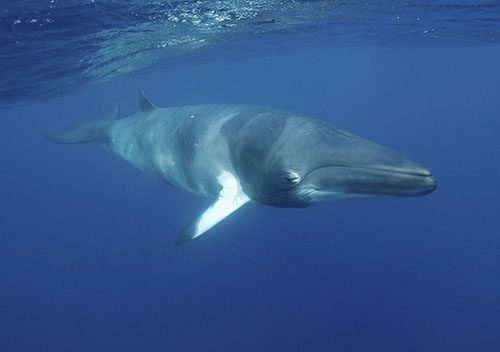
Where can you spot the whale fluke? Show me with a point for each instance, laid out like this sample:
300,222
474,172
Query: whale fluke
91,132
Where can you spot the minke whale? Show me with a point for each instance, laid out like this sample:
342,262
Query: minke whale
237,154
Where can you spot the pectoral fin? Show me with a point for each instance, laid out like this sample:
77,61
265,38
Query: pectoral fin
231,198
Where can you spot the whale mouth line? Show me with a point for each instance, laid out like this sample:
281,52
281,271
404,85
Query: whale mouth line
372,180
379,169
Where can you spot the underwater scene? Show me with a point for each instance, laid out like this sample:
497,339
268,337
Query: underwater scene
228,175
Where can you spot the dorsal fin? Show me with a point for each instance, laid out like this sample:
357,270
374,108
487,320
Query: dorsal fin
115,115
144,103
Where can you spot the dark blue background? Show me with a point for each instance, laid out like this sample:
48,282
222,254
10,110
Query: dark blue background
87,261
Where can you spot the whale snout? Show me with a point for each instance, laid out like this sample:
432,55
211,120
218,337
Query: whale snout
427,185
424,182
369,169
414,182
366,180
410,179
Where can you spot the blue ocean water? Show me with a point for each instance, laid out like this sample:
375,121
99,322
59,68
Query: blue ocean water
87,260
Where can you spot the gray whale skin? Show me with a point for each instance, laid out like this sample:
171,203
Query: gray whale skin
238,154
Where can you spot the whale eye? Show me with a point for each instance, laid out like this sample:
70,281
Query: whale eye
291,177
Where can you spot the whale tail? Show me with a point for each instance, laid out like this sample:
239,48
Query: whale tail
86,133
89,132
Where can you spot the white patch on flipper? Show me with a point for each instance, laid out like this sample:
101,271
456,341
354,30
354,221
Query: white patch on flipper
231,198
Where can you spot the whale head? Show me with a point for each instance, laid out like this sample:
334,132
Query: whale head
310,161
